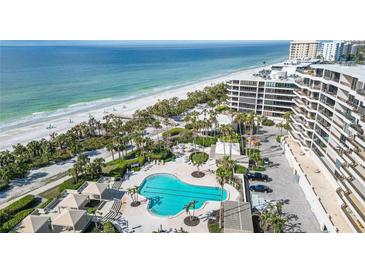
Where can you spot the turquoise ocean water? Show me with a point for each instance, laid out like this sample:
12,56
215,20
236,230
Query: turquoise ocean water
43,78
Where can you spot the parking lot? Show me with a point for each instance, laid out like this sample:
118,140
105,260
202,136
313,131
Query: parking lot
296,208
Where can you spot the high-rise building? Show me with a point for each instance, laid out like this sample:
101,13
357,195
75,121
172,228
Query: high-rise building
327,102
332,51
329,121
303,50
263,96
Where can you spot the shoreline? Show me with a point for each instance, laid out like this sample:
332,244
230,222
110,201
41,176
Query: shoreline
27,131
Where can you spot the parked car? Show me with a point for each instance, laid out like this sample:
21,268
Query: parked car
266,161
260,188
257,176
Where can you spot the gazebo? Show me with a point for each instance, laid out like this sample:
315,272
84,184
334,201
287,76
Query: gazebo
36,224
70,220
96,191
73,201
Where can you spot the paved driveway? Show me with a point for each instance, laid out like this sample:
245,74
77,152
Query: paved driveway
296,207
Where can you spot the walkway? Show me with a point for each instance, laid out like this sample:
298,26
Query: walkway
321,186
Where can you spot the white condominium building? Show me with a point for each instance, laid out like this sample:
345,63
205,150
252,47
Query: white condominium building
332,51
303,50
261,95
329,121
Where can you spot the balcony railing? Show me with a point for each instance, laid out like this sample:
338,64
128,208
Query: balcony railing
361,91
357,128
346,115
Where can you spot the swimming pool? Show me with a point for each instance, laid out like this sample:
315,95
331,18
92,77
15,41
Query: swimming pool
167,194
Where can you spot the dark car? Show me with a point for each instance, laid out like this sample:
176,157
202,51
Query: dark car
266,161
257,176
260,188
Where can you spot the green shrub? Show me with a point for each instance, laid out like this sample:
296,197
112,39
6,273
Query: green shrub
91,210
189,126
205,141
258,168
175,132
108,227
240,169
93,143
278,138
19,205
45,203
14,220
221,108
199,157
267,122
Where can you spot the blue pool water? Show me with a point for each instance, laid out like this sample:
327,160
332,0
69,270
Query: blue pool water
167,194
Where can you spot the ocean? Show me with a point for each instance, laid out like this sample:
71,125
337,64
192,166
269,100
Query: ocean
44,78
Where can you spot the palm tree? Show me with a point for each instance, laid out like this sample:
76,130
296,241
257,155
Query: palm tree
133,192
45,148
221,175
110,147
74,172
281,126
240,119
190,209
82,160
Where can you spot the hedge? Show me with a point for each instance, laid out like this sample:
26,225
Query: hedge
45,203
16,219
240,169
23,203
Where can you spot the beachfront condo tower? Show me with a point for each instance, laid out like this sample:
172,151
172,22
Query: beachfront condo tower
329,120
327,102
303,50
268,93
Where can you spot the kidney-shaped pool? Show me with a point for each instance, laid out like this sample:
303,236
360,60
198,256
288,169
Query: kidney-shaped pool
167,194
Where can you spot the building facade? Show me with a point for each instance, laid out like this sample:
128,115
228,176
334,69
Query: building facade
270,98
303,50
332,51
329,120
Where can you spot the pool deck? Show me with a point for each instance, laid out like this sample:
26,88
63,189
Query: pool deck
141,220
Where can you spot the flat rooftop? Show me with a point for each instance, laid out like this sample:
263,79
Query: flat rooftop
357,71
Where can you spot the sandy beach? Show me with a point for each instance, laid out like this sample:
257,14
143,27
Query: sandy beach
38,130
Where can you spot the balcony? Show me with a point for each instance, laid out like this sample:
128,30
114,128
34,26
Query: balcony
361,91
353,220
357,128
347,116
326,114
327,103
